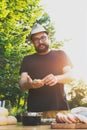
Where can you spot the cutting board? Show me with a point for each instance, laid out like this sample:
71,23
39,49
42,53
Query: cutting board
68,126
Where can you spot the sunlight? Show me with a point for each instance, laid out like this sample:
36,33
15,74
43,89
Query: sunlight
77,54
70,21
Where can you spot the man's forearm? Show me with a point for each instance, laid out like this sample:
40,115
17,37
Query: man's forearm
65,78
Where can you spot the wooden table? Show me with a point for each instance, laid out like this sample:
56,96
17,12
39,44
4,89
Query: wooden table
38,127
14,127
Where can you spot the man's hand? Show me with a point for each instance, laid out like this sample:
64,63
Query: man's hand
25,81
50,80
37,83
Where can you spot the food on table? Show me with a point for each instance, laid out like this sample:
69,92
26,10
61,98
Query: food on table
70,118
3,120
3,111
11,120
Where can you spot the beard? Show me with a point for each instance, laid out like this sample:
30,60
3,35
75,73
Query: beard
42,48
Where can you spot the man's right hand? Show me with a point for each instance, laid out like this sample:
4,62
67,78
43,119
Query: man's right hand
26,82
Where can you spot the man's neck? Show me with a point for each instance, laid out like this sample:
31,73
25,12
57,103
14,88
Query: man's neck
44,53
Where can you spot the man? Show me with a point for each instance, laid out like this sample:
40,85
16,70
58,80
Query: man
44,74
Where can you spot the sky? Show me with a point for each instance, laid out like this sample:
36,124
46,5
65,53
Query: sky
70,21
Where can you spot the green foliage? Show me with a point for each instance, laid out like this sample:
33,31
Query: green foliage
57,45
16,19
78,94
15,111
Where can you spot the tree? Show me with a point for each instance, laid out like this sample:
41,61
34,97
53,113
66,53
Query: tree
78,94
16,19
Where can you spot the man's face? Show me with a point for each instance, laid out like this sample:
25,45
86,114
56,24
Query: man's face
41,42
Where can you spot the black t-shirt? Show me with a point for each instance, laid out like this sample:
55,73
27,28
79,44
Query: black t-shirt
38,66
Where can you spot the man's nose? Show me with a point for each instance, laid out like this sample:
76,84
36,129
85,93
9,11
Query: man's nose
40,41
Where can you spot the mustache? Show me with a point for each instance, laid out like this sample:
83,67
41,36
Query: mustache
41,45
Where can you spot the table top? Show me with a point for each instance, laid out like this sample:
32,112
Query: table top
17,127
37,127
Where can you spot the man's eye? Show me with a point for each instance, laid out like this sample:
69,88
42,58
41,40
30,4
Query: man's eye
36,39
43,37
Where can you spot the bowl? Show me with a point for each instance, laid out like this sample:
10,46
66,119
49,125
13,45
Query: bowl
31,120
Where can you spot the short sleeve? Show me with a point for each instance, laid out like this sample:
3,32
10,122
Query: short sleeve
23,67
65,59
